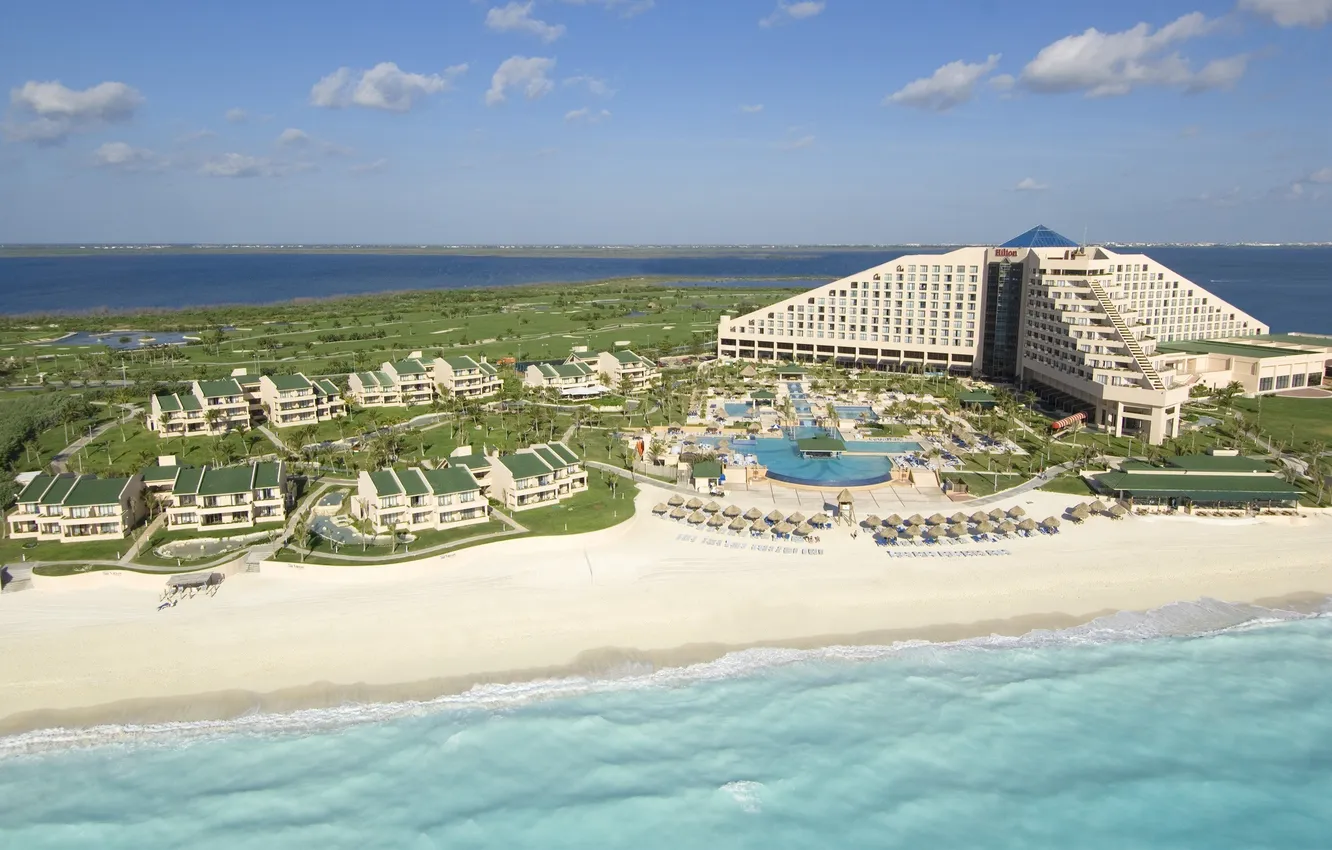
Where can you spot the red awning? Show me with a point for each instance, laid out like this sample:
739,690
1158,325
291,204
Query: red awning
1068,420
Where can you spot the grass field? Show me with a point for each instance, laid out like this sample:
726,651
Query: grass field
1297,422
388,554
608,500
15,551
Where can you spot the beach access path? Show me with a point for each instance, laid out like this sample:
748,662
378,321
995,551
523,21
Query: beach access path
60,462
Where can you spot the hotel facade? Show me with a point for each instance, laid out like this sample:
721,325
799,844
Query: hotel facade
1099,332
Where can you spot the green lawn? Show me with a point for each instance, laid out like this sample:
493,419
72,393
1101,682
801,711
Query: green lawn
113,454
1297,422
983,483
1068,482
592,510
13,551
385,554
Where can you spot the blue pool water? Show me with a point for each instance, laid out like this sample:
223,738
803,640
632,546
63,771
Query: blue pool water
855,412
733,408
1200,725
785,463
888,447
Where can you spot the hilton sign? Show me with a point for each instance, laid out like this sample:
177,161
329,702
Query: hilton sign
1005,252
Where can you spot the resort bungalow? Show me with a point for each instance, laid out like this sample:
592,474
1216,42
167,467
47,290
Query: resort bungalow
176,415
479,465
374,389
228,399
537,475
296,400
229,496
626,369
572,379
420,499
1225,479
77,508
210,409
463,377
402,384
706,476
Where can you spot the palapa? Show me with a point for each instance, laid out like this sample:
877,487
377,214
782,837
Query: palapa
997,515
753,514
1027,524
804,529
1080,513
775,517
716,521
886,534
675,501
985,527
679,513
796,518
1097,507
938,519
1118,511
1007,527
915,531
871,521
819,520
916,519
697,518
732,511
894,521
1050,522
958,530
712,507
694,504
844,497
957,517
738,524
783,528
660,508
1016,512
979,516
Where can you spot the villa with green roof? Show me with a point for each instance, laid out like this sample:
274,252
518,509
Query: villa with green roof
291,400
74,508
538,475
573,379
404,383
626,369
209,497
417,499
464,377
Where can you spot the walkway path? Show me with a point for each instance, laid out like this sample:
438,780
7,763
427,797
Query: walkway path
60,462
1025,487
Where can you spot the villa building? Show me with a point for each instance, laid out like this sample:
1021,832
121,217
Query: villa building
1095,331
405,383
77,508
291,400
463,377
479,465
625,369
420,499
572,379
214,497
538,475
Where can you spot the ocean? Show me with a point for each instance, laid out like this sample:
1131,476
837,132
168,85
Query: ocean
1199,725
1290,288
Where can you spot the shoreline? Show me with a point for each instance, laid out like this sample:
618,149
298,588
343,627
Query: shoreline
601,664
642,596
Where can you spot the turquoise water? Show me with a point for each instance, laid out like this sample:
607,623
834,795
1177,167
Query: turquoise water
785,463
1120,734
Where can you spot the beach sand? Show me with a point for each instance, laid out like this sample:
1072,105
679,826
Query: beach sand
94,649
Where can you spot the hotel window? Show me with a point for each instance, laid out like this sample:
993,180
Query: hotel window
1264,385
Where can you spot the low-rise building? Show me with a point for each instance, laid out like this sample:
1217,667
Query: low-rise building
626,371
571,379
418,499
1222,478
479,465
176,415
228,400
74,508
215,497
291,400
538,475
405,383
464,377
374,389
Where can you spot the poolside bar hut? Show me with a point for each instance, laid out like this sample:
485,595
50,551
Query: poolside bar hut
821,447
977,398
790,372
762,398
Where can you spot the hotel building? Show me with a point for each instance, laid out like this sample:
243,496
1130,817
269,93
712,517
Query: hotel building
572,379
420,499
405,383
625,368
244,401
290,400
538,475
463,377
77,508
1099,332
213,497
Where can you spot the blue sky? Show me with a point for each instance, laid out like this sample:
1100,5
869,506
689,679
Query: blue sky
674,121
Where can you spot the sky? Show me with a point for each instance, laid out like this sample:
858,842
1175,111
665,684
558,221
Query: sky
664,121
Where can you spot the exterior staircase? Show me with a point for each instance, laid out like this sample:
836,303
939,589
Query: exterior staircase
1130,341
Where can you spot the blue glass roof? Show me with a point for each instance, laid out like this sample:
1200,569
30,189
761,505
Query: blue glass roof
1040,236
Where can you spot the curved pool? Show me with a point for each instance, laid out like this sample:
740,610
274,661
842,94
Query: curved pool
785,463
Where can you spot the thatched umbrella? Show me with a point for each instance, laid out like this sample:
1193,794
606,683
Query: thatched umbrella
886,534
775,517
759,527
979,516
716,521
914,531
731,512
804,529
1097,507
660,508
997,515
738,524
819,520
1118,511
871,521
783,528
1016,512
679,513
796,518
915,519
694,503
1028,525
1050,522
958,530
697,518
985,527
712,507
1008,528
893,521
753,514
957,517
675,501
938,519
1080,513
937,531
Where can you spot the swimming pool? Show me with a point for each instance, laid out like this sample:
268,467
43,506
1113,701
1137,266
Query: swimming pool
855,413
738,409
785,462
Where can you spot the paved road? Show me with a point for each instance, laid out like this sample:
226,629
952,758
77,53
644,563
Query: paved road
60,461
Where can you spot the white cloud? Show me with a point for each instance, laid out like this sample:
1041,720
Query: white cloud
1322,175
236,115
292,137
948,86
525,72
626,8
1107,64
1002,82
368,167
799,143
243,165
517,17
49,112
786,12
1310,186
1291,13
587,115
751,109
125,157
385,86
1030,184
196,136
595,85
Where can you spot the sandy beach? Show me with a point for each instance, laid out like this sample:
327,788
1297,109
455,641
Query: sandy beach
94,649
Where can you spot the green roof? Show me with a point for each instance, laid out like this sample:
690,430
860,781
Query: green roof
383,379
187,482
410,367
790,369
525,465
169,402
1319,340
1210,488
565,370
267,474
461,363
290,382
976,397
160,474
1218,463
821,444
368,379
412,482
91,490
451,480
60,487
565,452
763,395
35,488
705,469
385,483
470,461
324,386
487,369
627,356
1229,349
216,389
552,460
226,480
